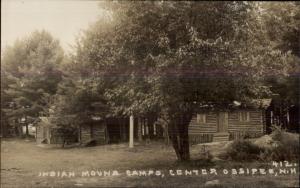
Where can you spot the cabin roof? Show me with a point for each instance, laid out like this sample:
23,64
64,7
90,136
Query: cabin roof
45,122
261,103
235,105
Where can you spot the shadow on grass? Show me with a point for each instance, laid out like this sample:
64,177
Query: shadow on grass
194,163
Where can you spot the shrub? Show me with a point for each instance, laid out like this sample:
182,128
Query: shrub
90,143
243,150
287,146
205,154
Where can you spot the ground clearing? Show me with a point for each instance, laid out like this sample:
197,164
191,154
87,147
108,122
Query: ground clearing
22,161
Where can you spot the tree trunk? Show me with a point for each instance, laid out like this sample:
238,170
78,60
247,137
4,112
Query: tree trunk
27,131
178,130
139,124
17,130
79,133
20,130
167,137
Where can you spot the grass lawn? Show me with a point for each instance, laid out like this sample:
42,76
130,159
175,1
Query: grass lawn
22,161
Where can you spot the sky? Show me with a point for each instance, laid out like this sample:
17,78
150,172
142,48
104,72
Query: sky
64,19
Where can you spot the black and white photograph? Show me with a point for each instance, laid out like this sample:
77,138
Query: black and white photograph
154,93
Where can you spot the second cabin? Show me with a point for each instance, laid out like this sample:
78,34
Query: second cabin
116,130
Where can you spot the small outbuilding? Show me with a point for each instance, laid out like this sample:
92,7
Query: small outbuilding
48,133
94,130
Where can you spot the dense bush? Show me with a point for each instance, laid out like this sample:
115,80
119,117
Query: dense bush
243,150
286,146
205,154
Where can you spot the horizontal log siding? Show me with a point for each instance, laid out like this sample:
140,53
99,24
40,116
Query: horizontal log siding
210,126
98,133
85,133
202,132
245,129
93,132
211,118
59,137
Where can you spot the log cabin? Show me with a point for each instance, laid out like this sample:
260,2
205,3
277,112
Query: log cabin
48,133
247,121
116,130
97,130
93,130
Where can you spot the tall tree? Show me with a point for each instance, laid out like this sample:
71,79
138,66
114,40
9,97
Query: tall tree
171,57
31,68
282,21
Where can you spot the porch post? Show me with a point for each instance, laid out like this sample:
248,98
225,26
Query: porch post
131,126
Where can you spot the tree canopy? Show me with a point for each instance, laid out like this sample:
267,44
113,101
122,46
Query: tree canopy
31,73
173,56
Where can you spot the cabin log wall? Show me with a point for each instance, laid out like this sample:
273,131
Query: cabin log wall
94,131
203,132
245,129
99,133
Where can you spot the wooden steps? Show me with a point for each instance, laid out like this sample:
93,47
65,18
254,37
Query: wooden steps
221,137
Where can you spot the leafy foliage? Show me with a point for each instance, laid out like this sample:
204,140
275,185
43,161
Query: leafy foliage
243,150
173,56
76,102
287,147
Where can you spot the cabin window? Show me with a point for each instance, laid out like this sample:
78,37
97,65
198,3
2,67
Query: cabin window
244,116
201,118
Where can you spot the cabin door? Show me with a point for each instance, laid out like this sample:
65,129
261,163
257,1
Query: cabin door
222,122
